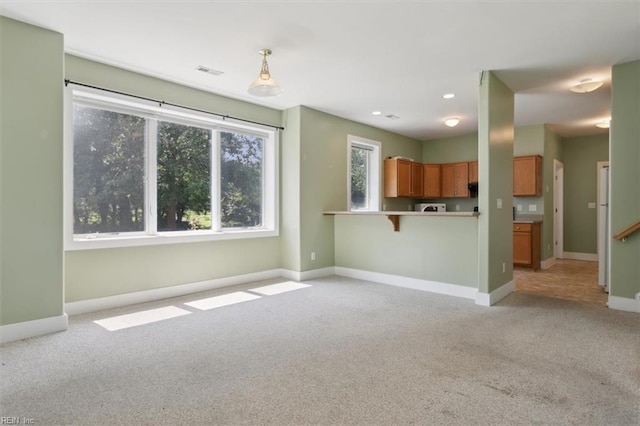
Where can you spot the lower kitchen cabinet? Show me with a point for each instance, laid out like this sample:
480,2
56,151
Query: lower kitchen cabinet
526,245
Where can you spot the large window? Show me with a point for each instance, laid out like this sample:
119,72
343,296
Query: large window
363,174
141,172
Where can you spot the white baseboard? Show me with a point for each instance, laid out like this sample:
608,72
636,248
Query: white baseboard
591,257
623,304
484,299
39,327
119,300
307,275
548,263
406,282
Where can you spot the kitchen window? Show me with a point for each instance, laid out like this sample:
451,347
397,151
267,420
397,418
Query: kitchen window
363,174
144,174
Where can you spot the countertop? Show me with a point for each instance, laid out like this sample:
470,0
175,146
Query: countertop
528,218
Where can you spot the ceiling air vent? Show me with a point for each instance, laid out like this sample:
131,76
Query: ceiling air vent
209,70
392,116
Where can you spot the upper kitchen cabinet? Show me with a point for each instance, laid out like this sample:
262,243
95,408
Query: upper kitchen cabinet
397,177
527,176
455,180
431,180
416,180
473,172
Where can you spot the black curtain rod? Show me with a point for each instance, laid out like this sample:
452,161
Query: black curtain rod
161,103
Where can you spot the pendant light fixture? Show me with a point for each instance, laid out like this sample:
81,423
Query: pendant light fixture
264,85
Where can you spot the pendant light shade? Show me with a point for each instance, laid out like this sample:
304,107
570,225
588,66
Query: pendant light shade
264,85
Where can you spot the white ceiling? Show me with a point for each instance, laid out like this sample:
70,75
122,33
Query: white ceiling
350,58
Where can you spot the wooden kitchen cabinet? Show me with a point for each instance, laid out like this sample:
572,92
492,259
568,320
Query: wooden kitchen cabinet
526,245
473,172
397,177
416,180
527,176
431,180
455,180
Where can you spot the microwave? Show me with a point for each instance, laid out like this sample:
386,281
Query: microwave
431,207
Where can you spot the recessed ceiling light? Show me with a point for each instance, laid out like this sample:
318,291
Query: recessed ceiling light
452,121
376,113
586,86
209,70
449,96
604,124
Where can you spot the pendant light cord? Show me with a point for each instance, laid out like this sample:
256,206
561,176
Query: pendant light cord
161,103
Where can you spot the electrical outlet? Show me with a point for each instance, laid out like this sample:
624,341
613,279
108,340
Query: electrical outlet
384,207
313,255
457,207
533,207
519,207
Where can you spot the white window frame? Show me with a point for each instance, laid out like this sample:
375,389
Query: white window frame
374,171
151,236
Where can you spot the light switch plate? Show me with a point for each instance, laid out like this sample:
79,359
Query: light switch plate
499,203
533,207
591,205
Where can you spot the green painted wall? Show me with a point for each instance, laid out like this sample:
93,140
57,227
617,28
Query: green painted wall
323,178
495,161
625,177
290,191
99,273
369,243
31,252
106,272
580,188
451,150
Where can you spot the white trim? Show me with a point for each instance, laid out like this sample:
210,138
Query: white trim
39,327
307,275
591,257
406,282
119,300
484,299
548,263
623,304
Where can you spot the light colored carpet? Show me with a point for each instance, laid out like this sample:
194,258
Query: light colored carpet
341,351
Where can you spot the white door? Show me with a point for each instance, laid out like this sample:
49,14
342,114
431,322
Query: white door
603,224
558,209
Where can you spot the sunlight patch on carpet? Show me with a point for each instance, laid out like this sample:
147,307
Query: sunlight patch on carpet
224,300
140,318
270,290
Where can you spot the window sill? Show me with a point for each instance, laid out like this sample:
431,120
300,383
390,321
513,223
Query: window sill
105,242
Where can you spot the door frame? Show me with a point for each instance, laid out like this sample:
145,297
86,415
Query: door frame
558,209
600,165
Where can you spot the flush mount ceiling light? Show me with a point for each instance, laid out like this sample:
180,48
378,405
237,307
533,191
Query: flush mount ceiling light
604,124
376,113
452,121
264,85
586,86
449,96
